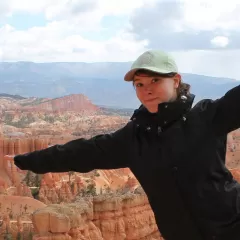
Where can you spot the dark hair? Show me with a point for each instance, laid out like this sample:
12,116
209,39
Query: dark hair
183,89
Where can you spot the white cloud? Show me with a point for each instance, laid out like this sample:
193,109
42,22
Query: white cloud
195,15
61,39
220,41
66,8
51,43
96,7
122,7
79,15
29,5
210,15
4,8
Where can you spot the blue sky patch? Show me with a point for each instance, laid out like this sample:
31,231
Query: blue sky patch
110,25
24,21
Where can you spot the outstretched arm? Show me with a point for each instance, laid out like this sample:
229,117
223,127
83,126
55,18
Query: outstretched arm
227,112
107,151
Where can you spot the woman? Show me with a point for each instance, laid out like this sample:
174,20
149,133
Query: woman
175,150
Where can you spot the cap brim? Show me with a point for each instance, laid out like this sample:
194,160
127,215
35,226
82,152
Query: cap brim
130,74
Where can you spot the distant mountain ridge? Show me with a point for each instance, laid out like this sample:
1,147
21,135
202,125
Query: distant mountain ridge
101,82
74,103
17,97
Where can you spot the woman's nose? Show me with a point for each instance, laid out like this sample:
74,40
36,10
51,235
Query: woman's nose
148,90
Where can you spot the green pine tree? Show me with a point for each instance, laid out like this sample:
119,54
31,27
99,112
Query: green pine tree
19,236
91,189
27,178
30,235
8,236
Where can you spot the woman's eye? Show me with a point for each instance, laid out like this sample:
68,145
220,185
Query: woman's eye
139,85
155,80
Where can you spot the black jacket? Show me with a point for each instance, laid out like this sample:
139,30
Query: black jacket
178,156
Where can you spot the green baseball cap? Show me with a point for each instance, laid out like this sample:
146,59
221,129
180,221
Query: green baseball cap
152,60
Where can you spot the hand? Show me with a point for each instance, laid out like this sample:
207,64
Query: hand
21,162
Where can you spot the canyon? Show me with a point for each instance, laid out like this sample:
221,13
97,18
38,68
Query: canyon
102,204
62,118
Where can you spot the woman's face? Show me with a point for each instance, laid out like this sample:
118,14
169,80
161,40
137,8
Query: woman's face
153,90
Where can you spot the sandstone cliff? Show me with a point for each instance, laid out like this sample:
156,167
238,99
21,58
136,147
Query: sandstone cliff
104,217
233,150
74,102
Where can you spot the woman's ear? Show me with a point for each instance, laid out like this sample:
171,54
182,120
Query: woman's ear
177,80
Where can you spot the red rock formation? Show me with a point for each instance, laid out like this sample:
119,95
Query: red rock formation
233,150
106,217
22,225
9,173
74,102
1,128
132,183
24,206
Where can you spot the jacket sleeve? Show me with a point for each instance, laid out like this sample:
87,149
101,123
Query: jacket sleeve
106,151
227,112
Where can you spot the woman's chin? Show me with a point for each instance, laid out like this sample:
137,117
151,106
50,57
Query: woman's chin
152,108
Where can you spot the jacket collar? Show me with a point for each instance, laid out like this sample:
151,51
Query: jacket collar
168,112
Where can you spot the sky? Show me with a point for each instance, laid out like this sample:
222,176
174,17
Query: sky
203,36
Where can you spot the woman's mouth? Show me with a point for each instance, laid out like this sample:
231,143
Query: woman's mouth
151,100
